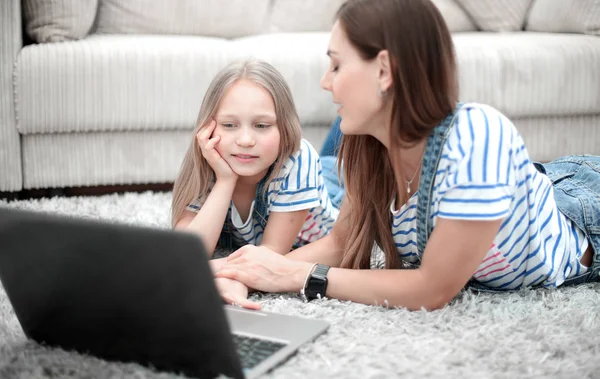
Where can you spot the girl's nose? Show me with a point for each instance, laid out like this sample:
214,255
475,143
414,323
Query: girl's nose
245,139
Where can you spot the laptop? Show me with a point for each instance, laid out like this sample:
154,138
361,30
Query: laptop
135,294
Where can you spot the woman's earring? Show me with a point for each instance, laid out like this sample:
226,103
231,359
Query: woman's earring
381,93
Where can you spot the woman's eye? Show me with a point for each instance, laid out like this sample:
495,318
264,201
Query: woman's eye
226,125
334,68
262,126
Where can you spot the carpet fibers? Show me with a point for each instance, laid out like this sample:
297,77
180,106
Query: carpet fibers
525,334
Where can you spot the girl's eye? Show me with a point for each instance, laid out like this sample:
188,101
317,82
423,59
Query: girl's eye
225,125
334,68
262,126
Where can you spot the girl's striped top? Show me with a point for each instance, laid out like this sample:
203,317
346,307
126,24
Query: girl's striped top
298,186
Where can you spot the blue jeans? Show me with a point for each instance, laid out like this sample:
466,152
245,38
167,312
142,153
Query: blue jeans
333,180
332,143
576,182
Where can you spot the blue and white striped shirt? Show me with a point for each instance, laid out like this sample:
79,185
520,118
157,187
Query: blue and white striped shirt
298,186
485,174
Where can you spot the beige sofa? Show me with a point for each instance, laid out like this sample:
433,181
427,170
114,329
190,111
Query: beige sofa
107,92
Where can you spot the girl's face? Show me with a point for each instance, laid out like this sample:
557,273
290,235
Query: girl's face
247,124
354,84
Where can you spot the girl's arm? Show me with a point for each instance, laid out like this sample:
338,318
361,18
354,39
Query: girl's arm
303,189
328,250
282,230
208,222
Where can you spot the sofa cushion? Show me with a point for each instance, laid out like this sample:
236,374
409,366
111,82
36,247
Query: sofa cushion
58,20
456,18
121,82
302,15
559,16
189,17
497,16
528,74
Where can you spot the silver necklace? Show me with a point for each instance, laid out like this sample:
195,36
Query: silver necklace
409,182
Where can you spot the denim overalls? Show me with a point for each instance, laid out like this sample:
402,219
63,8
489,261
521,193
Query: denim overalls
259,214
576,183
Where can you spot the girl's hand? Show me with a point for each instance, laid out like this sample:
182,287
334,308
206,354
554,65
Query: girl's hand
207,145
265,270
236,293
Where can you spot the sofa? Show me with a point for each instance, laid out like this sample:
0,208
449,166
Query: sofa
106,92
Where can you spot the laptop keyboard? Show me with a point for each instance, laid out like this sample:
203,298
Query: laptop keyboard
252,350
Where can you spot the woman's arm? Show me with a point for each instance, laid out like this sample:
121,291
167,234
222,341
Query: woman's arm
453,253
208,222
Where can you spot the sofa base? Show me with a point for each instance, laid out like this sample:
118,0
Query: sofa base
105,158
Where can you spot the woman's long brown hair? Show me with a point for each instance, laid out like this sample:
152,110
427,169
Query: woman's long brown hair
423,93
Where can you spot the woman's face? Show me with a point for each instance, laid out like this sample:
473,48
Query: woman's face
354,83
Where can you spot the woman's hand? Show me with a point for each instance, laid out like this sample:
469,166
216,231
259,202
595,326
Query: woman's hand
216,264
263,269
207,144
236,293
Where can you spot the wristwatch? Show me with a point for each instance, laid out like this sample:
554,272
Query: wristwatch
315,284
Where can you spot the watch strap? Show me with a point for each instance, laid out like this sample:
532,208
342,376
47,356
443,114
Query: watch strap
320,271
316,285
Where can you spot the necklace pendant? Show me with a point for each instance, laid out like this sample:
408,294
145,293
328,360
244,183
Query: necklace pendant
408,189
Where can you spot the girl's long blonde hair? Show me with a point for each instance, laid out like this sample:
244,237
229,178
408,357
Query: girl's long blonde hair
424,92
195,175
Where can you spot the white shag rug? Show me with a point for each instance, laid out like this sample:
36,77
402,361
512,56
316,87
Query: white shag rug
526,334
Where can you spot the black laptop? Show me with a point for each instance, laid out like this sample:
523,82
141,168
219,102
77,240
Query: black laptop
135,294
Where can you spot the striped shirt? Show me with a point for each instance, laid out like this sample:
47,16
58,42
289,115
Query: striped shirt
298,186
485,173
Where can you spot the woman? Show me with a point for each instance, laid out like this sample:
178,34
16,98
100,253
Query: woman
446,190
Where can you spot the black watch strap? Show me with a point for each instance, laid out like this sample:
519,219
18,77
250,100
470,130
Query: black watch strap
316,285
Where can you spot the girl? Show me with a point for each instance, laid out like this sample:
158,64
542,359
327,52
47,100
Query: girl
248,177
248,165
445,189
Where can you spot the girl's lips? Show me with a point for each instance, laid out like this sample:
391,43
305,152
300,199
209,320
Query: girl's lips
244,158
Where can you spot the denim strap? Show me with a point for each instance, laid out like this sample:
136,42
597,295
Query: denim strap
431,159
433,154
261,202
